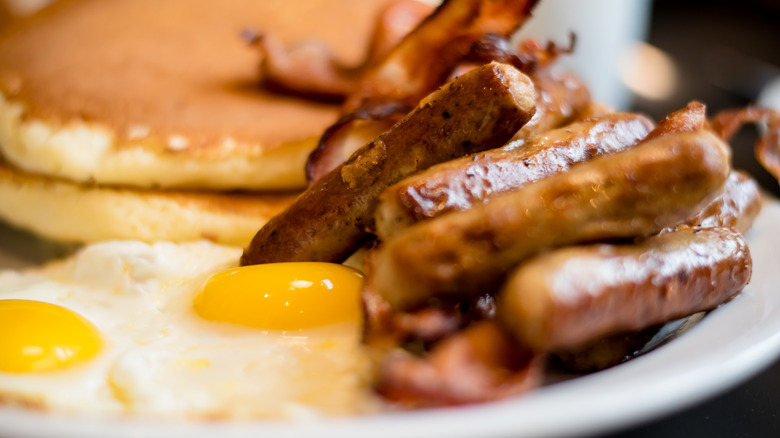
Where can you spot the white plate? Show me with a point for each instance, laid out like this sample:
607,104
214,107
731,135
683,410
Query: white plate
730,344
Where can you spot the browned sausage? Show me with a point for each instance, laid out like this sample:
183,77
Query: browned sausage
459,184
575,295
736,207
632,193
479,110
560,99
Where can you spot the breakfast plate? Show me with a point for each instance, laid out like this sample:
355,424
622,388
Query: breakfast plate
726,347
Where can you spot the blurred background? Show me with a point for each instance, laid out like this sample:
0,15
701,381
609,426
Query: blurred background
656,56
723,53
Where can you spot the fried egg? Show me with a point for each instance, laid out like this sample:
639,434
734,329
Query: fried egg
150,330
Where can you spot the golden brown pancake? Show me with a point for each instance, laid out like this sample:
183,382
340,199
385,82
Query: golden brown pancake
164,92
64,211
5,15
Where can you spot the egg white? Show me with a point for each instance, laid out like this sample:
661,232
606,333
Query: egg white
161,359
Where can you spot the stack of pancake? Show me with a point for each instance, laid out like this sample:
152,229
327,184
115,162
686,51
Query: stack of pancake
144,119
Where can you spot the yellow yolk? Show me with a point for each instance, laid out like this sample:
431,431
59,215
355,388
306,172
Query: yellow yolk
282,296
37,336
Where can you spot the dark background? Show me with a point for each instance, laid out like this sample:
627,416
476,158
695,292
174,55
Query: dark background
725,53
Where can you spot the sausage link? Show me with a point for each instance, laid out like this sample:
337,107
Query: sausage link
479,110
632,193
575,295
459,184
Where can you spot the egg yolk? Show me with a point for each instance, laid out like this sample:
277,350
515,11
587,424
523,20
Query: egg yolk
38,336
282,296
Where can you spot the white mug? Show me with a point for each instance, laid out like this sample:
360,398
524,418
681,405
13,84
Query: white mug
605,29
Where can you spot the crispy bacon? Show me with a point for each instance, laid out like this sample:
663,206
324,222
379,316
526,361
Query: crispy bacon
401,67
767,148
379,325
350,133
425,57
309,69
420,63
433,323
394,23
480,363
428,324
408,57
528,57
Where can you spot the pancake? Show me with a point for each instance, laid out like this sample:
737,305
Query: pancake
163,93
69,212
5,15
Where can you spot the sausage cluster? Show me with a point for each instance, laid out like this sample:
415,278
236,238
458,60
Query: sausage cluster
507,220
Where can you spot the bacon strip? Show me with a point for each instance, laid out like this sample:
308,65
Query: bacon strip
530,56
428,324
309,69
424,59
350,133
767,147
478,364
394,23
